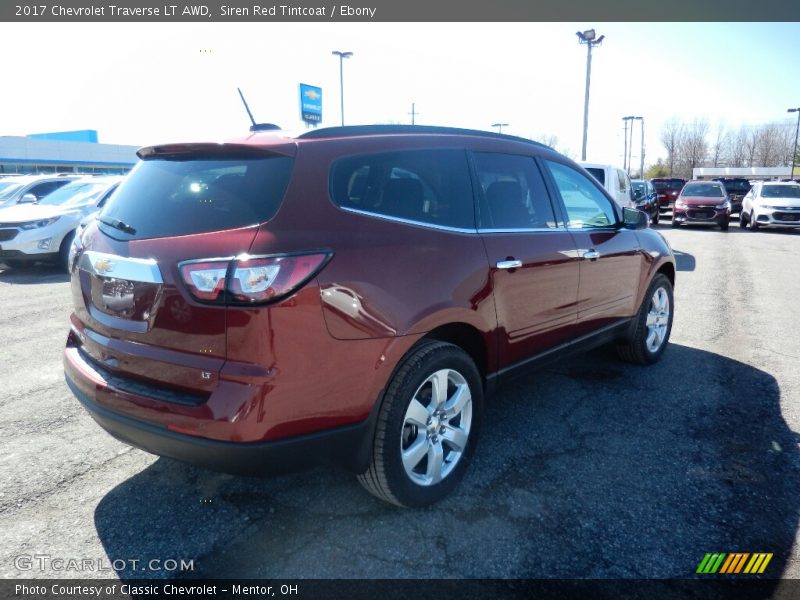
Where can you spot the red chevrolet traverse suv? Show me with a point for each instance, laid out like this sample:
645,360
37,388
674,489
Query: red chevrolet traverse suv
350,296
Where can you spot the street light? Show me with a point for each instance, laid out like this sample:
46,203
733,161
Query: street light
499,126
625,148
641,150
794,154
342,56
589,38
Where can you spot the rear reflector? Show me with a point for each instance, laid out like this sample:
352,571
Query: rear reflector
251,279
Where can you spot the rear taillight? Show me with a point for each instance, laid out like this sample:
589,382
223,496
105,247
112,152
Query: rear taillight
251,279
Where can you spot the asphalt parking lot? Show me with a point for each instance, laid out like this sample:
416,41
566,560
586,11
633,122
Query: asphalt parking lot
592,468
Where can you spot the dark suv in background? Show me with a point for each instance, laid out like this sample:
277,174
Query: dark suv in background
736,188
350,296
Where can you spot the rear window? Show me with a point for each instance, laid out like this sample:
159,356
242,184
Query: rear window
424,186
165,198
598,174
668,184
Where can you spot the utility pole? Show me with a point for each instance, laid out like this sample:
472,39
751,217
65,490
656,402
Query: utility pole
413,113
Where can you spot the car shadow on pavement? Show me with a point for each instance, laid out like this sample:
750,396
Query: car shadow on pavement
37,274
590,469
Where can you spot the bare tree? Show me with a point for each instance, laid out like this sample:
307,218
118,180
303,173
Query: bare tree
670,137
734,150
692,147
721,145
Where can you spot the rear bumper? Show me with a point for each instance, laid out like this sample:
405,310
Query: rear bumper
346,446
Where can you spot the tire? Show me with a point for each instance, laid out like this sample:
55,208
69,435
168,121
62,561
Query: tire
63,251
675,224
724,225
401,475
742,221
654,220
752,222
640,348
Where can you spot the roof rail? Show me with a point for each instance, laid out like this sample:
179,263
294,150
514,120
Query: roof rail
361,130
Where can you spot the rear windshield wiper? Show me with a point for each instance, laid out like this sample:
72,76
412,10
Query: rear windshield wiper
117,224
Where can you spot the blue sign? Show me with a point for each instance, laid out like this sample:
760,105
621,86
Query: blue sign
310,104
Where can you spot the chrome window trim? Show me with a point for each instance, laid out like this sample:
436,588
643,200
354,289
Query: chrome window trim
407,221
523,230
133,269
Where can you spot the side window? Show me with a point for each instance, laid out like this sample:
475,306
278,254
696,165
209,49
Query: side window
427,186
623,181
587,207
513,195
41,190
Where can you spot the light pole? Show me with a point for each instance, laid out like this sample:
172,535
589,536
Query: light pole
625,150
588,37
641,149
796,131
342,56
499,126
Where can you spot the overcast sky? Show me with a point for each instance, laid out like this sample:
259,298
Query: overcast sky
142,83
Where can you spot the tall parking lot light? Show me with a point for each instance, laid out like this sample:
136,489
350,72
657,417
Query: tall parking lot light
499,126
625,147
342,56
588,37
641,149
796,131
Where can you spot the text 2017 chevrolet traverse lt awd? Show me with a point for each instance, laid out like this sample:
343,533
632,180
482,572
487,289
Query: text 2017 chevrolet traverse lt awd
350,295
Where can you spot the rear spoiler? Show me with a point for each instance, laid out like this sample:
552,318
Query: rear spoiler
213,151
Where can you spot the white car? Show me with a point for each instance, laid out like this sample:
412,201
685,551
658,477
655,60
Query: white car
771,204
18,189
615,181
43,231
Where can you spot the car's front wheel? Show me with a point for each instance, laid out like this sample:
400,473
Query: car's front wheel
742,220
427,426
652,325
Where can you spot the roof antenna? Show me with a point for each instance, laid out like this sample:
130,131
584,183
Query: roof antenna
256,126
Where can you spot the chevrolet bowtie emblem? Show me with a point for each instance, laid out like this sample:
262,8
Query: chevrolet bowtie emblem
103,265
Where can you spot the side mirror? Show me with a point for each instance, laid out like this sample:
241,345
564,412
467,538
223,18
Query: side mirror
28,198
634,219
637,194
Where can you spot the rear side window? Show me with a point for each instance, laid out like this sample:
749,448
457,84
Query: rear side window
587,207
165,198
599,174
513,193
623,182
425,186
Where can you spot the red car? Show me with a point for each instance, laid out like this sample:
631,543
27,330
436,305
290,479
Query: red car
349,296
668,189
702,203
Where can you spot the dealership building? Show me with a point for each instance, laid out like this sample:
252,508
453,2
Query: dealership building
64,152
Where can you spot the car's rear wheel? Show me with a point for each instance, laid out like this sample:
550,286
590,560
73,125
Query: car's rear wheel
427,426
652,324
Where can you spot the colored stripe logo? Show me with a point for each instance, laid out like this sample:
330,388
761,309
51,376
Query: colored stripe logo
733,563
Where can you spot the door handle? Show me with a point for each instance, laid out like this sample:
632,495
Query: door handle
591,254
509,264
